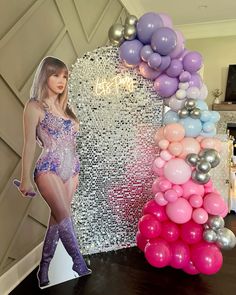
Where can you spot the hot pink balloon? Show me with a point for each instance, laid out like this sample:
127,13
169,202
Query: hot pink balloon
171,195
158,253
159,199
180,211
191,269
191,232
192,188
200,216
180,254
174,132
196,201
169,231
213,204
149,226
177,171
190,145
141,241
151,207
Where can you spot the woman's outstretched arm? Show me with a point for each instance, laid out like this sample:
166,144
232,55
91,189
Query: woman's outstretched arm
30,120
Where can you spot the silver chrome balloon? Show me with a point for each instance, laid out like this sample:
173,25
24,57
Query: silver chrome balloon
192,159
116,34
225,239
129,32
195,113
215,222
190,104
183,113
203,166
131,20
211,155
200,177
209,235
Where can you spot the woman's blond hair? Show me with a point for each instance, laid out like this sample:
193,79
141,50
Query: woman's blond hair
39,91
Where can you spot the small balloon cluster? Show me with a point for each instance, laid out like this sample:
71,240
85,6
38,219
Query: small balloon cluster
179,225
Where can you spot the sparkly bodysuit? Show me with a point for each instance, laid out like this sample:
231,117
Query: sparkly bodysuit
57,136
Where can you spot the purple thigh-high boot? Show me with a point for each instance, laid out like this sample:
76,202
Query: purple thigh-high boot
68,238
49,248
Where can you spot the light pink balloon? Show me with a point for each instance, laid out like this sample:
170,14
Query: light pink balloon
158,171
159,199
171,195
200,216
159,162
155,186
177,171
191,188
166,19
190,145
199,138
180,211
174,132
196,201
163,144
211,143
225,211
164,185
175,148
213,204
178,189
165,155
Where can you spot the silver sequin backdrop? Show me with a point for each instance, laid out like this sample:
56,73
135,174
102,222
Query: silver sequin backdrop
119,112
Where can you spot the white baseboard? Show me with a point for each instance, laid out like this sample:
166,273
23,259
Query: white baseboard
16,274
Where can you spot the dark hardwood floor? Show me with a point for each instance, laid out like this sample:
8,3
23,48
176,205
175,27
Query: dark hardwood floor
127,272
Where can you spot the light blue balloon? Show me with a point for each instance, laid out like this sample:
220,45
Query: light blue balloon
208,126
192,127
208,134
201,105
205,116
171,117
215,116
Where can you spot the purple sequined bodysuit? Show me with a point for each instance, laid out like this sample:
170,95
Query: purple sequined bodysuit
58,138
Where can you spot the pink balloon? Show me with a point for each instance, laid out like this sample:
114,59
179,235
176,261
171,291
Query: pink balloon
225,211
164,185
180,211
200,215
155,186
178,189
208,184
159,199
207,189
211,143
175,148
177,171
159,162
165,155
158,253
159,135
208,259
191,232
213,204
149,226
196,201
190,268
169,231
190,145
192,188
163,144
174,132
166,19
180,254
141,241
171,195
157,171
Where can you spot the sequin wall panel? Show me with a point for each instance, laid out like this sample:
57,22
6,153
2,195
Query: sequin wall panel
119,112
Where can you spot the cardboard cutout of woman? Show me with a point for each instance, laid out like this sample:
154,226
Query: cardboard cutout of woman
49,120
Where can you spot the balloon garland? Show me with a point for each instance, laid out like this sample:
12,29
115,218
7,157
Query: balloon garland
183,225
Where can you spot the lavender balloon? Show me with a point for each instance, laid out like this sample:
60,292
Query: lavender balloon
185,76
165,62
154,60
195,80
167,21
147,24
175,68
165,86
130,52
179,49
164,40
145,52
192,61
147,72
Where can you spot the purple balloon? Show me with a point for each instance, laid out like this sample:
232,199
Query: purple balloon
164,40
175,68
195,80
154,60
185,76
130,52
165,62
181,57
192,61
146,25
179,46
165,86
147,72
167,21
146,51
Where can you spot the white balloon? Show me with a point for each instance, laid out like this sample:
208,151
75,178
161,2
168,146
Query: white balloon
203,92
180,94
176,104
183,85
193,92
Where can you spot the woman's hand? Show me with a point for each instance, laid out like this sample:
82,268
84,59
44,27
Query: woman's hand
26,188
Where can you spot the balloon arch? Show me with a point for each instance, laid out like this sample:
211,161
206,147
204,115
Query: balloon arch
183,225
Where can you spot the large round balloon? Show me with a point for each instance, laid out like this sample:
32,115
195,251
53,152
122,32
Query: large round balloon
158,253
130,52
180,211
164,40
147,24
180,254
192,127
177,171
192,62
149,226
165,86
191,232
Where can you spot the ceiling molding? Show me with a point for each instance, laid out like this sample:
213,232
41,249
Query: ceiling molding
134,7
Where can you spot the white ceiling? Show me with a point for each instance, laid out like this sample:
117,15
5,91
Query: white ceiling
186,11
